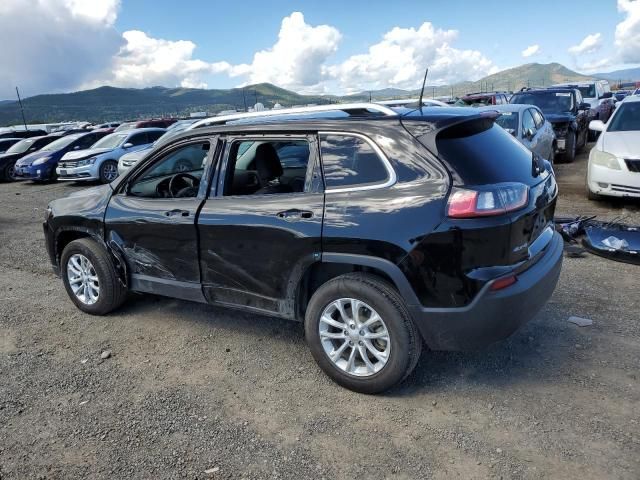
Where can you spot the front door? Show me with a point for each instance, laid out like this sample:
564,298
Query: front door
151,220
262,227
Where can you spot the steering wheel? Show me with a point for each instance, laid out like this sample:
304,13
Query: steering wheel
176,189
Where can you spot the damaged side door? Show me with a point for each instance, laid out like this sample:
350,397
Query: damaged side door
150,220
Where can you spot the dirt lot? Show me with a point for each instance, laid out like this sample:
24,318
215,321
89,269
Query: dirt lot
191,391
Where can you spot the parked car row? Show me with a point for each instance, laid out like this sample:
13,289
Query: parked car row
76,152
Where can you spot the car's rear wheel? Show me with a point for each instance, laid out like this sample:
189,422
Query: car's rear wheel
570,148
108,171
90,277
361,334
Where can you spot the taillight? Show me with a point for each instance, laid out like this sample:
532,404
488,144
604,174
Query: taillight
487,200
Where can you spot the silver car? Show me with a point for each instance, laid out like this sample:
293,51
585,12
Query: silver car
528,124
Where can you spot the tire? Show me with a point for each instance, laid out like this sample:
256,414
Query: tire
403,344
106,171
583,144
569,154
8,173
111,293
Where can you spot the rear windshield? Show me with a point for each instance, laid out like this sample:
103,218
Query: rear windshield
482,153
508,121
548,102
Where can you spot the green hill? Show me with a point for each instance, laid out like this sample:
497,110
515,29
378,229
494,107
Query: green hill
111,103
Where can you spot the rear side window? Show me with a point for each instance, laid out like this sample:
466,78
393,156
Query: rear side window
138,139
153,136
350,161
538,118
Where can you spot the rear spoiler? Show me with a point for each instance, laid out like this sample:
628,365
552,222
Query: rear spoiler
427,128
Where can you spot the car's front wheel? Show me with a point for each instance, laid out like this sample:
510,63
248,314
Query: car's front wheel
570,148
361,334
9,172
90,277
108,171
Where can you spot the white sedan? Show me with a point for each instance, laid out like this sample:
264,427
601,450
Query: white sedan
614,161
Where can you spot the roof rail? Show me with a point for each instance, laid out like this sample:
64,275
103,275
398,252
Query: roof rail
349,108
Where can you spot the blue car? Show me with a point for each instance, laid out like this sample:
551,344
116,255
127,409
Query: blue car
100,162
40,166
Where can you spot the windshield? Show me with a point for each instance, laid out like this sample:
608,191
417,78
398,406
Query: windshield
548,102
60,143
22,146
588,91
508,121
626,118
110,141
475,101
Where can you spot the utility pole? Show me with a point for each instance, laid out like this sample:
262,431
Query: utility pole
21,109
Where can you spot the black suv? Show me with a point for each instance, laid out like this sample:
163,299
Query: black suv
566,111
377,228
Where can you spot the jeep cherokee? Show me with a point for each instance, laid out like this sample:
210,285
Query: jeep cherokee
380,229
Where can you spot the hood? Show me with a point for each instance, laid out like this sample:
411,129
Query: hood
89,152
29,159
10,156
560,117
137,155
622,144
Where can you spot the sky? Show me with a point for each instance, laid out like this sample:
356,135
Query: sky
333,47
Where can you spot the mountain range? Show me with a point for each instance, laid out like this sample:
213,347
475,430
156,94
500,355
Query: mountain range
112,103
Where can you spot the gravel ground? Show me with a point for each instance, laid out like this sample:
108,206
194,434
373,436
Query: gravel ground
192,391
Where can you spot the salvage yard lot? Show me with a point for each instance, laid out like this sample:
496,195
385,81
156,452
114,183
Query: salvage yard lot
193,391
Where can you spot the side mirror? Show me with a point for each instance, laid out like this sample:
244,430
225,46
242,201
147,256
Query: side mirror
584,106
596,125
607,95
127,145
529,133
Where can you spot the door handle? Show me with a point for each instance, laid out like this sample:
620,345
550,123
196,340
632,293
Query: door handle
294,213
177,212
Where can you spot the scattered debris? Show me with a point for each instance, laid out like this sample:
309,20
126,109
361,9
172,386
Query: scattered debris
581,322
83,402
84,360
615,241
571,227
106,354
211,471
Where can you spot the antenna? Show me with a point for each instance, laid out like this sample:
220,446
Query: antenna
21,109
424,82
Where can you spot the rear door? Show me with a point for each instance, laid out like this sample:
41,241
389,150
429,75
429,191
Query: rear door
257,240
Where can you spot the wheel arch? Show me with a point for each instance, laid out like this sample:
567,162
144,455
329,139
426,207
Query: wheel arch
65,235
332,265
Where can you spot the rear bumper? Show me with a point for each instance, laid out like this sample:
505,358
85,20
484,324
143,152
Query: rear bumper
493,316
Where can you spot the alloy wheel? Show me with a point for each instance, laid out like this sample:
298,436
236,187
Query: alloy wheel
83,279
354,337
110,171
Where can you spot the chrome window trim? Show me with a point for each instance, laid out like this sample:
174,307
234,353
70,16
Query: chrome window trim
391,180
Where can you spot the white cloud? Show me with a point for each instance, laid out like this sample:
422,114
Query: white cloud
627,36
589,44
146,61
297,59
400,58
596,66
55,45
530,50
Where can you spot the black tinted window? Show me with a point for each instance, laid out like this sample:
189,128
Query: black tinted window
138,139
481,154
350,161
153,136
